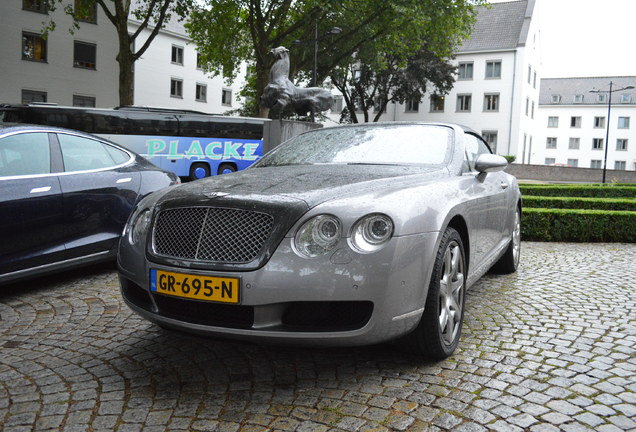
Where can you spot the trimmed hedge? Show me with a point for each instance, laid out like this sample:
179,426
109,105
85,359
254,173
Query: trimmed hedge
579,190
615,204
564,225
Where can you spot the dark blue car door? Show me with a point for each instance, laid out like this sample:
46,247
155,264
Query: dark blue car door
31,209
99,189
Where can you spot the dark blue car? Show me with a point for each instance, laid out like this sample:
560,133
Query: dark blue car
65,197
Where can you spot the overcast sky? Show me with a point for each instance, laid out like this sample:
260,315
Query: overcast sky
583,38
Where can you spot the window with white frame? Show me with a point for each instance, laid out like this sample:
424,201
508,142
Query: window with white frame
463,103
226,97
623,122
338,104
575,122
529,74
534,80
465,71
84,55
201,93
377,104
491,102
177,55
412,105
491,138
573,162
33,47
551,143
574,143
578,98
620,165
626,98
597,143
532,111
553,122
595,163
29,96
550,161
527,106
83,101
85,11
176,87
601,98
493,69
437,103
621,144
599,122
40,6
555,99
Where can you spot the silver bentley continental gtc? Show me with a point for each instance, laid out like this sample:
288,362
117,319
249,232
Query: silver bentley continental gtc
340,236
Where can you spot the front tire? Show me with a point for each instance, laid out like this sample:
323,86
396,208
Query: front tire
437,335
199,170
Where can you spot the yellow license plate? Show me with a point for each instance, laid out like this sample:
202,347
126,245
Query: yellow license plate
198,287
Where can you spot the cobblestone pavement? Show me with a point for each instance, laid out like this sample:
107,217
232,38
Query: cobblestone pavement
552,347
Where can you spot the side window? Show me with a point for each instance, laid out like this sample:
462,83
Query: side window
474,147
119,157
25,154
81,154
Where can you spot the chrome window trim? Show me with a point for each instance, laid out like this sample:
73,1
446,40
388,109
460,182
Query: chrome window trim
131,157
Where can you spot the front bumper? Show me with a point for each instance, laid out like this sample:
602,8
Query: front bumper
344,298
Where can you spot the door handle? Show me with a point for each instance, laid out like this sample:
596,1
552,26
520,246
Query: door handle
124,180
504,185
40,189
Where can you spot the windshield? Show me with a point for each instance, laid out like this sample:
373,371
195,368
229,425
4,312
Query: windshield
365,145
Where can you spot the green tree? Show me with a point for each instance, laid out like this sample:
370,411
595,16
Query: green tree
152,15
230,32
368,85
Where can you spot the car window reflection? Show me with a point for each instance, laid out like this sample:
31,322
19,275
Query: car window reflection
25,154
81,154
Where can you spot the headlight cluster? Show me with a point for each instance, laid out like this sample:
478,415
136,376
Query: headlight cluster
371,233
321,234
139,226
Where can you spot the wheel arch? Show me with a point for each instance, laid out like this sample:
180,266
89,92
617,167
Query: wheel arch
459,224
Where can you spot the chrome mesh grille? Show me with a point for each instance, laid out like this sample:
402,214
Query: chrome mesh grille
211,234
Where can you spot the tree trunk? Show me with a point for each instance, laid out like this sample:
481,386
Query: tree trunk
262,79
126,74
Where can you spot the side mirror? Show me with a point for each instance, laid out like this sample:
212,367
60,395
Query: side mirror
487,163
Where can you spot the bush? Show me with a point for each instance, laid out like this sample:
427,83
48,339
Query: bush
582,190
616,204
564,225
510,158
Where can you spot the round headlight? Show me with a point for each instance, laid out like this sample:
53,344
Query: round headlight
139,226
371,233
318,236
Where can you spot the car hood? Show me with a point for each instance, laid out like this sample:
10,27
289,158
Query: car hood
285,193
310,184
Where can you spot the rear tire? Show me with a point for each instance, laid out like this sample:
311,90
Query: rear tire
509,261
226,168
437,335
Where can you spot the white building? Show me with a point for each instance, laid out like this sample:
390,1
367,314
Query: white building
574,125
81,70
169,75
77,69
497,87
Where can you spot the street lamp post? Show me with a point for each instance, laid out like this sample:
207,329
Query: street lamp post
609,112
314,72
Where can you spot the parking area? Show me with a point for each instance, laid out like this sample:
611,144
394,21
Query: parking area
552,347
